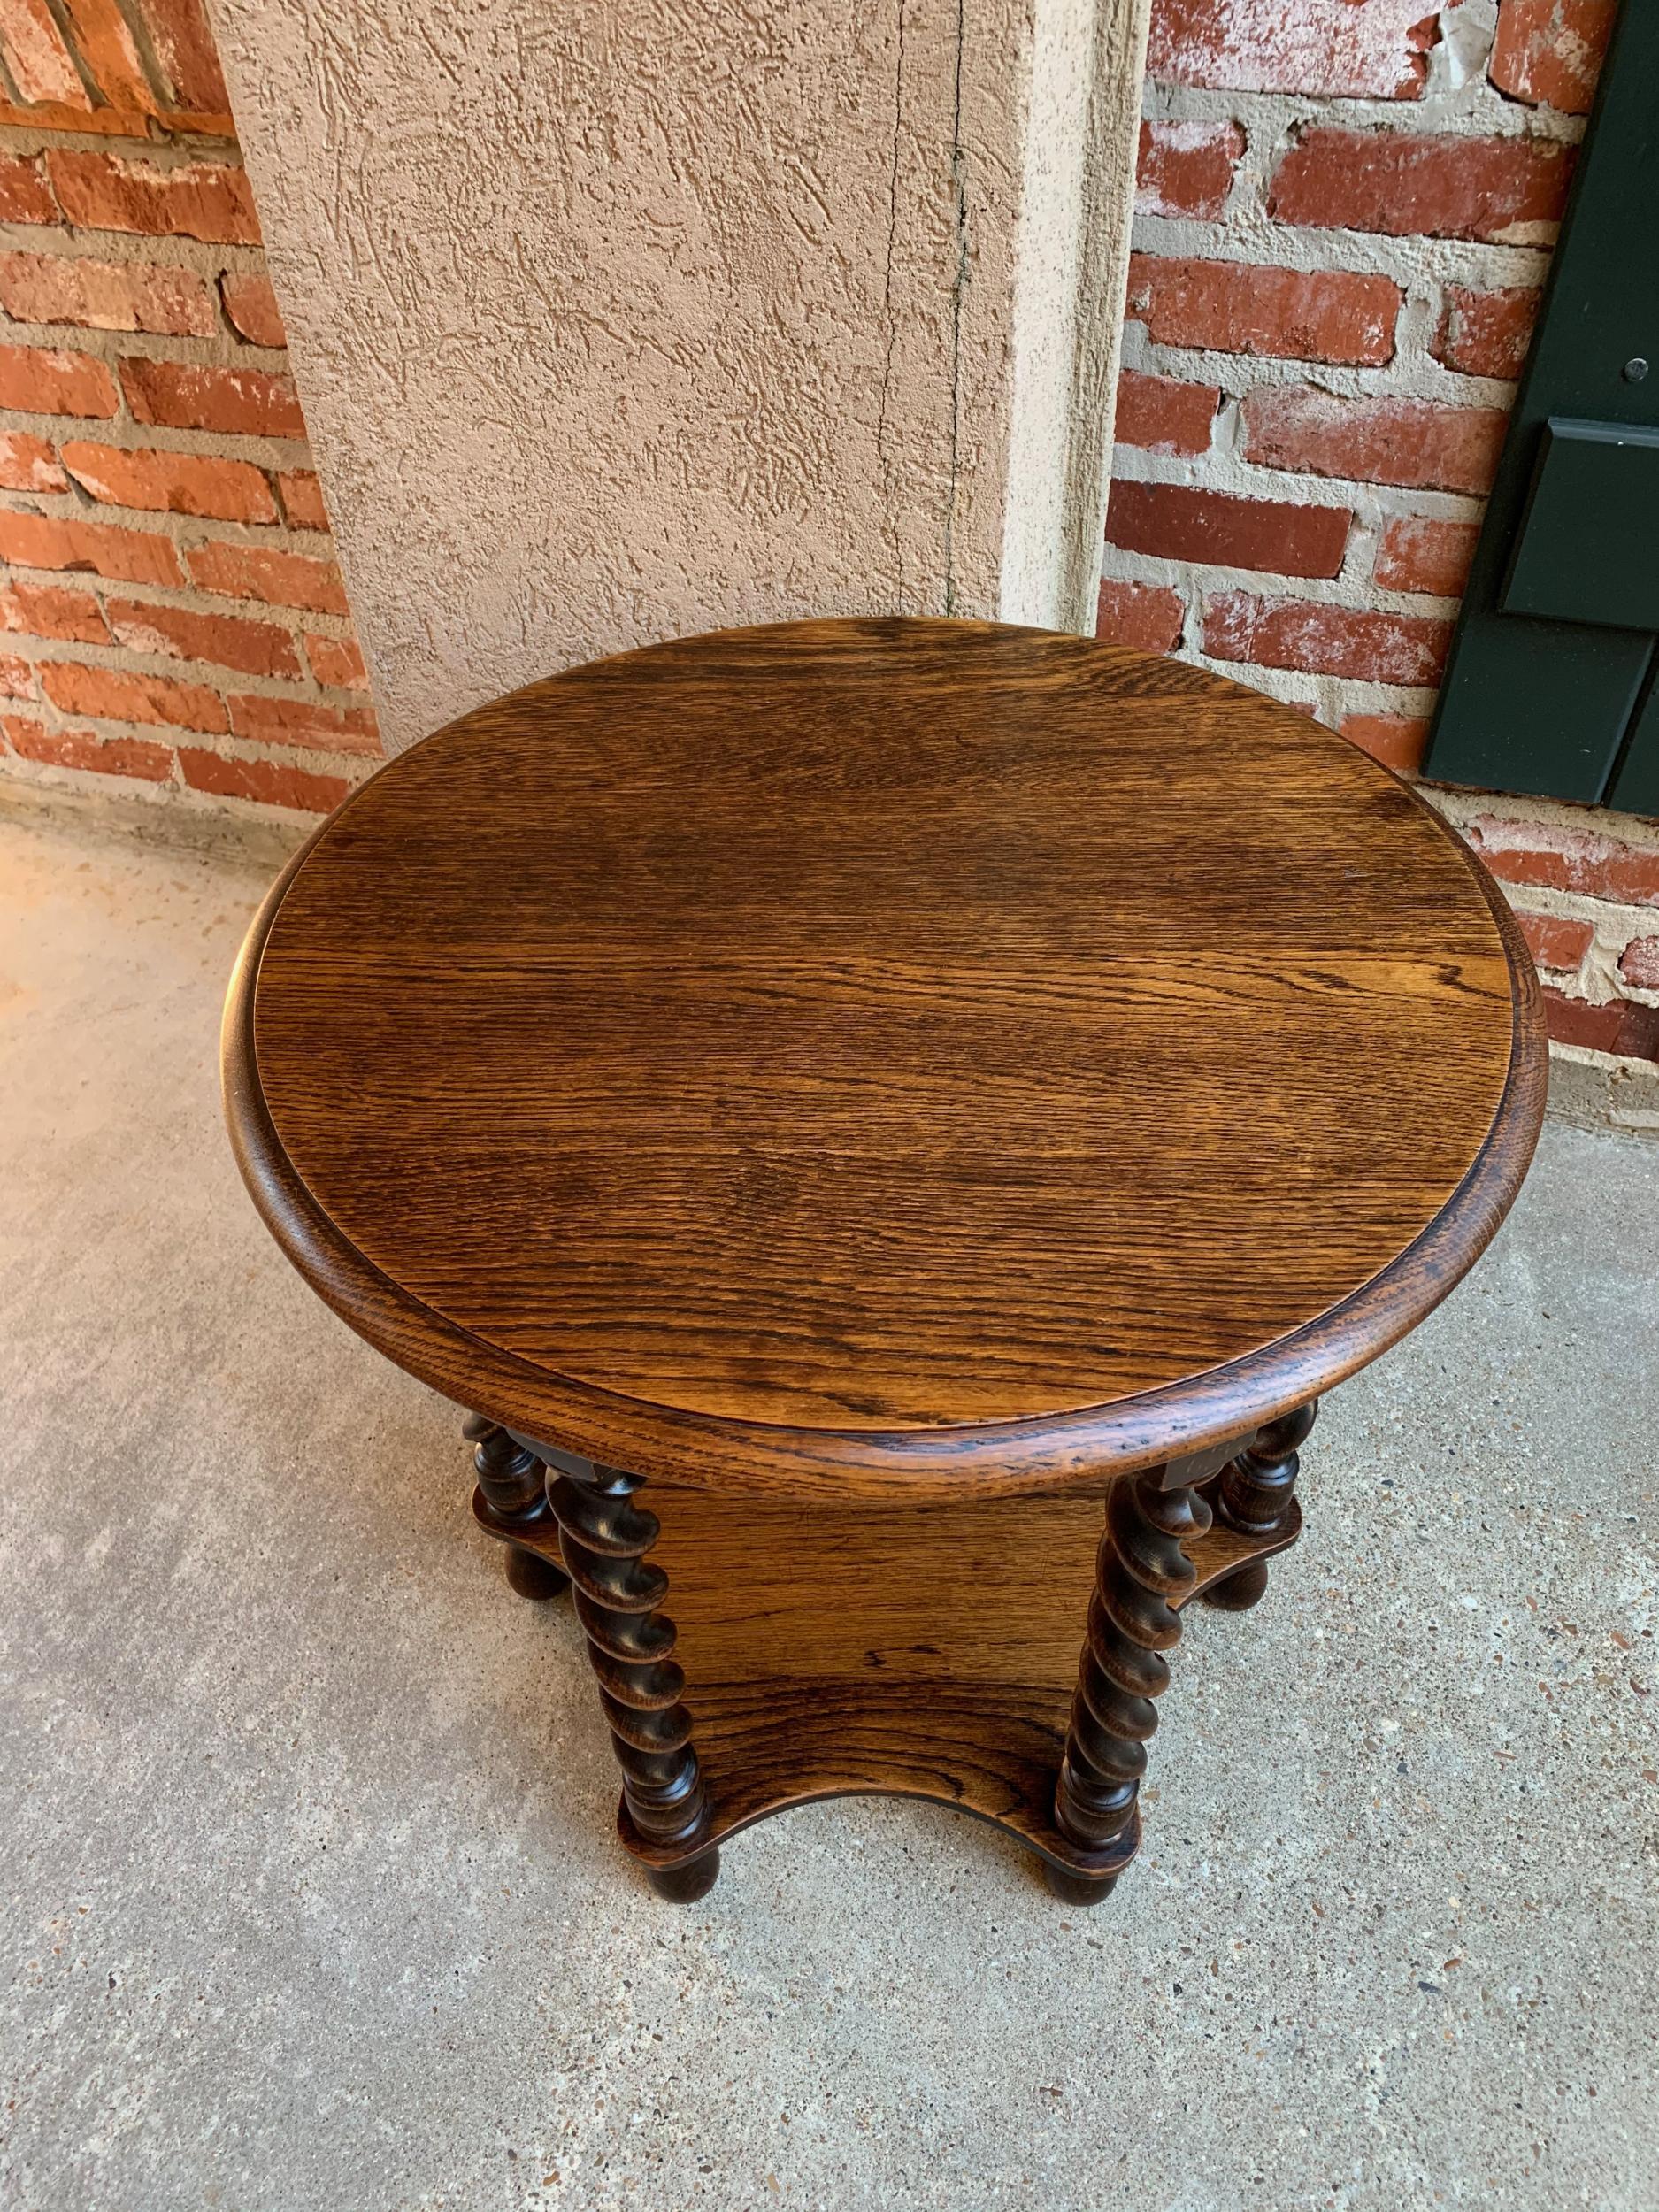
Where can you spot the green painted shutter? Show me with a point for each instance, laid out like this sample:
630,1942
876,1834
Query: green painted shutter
1549,688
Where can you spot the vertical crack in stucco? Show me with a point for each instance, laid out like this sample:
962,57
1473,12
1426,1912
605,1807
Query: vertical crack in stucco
958,291
884,429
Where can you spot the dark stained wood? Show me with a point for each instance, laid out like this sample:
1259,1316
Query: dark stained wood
532,1576
993,1593
1142,1574
923,1652
1256,1487
877,1031
603,1538
857,1077
1254,1494
683,1885
509,1502
1239,1592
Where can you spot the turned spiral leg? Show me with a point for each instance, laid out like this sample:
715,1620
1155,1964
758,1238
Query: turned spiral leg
604,1539
510,1483
1254,1495
1141,1575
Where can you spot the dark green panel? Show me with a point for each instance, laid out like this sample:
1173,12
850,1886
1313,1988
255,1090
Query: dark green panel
1541,690
1528,705
1588,549
1635,788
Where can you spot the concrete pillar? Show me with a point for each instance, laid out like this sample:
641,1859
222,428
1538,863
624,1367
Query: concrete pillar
621,318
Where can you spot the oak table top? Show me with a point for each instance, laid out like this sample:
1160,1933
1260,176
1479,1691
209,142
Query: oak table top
911,1058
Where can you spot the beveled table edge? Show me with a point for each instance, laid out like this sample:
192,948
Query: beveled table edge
932,1466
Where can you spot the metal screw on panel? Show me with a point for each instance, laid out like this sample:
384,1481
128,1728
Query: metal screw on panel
1635,369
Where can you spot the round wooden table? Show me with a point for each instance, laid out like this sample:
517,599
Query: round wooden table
936,1101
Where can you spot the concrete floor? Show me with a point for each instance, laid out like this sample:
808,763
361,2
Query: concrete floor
312,1903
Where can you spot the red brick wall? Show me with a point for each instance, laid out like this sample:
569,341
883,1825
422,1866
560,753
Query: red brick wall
1346,210
173,618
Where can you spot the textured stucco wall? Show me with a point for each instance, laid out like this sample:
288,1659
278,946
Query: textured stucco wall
616,321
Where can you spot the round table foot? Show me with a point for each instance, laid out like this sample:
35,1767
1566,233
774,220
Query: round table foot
1240,1591
684,1884
1078,1889
534,1576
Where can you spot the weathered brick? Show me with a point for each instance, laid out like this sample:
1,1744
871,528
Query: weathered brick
251,309
303,722
1187,522
1639,964
1327,640
180,483
278,783
129,556
119,695
1487,333
81,749
1566,859
107,49
337,661
1574,1021
52,611
1162,415
25,194
17,676
1639,1032
1555,940
1396,740
282,579
1620,1025
1143,615
41,380
1407,441
1548,52
42,67
197,199
183,44
38,288
1498,188
29,463
185,395
1417,554
303,499
1294,314
227,640
1186,168
1332,48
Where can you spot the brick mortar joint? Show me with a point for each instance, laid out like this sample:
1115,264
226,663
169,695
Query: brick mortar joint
1612,921
1475,109
171,792
85,431
1353,587
1411,374
1256,238
173,735
1462,806
1224,468
219,676
189,531
181,150
64,241
180,599
101,343
1641,1073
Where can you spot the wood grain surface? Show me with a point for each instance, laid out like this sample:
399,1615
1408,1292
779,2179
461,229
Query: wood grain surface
993,1593
894,1053
927,1653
